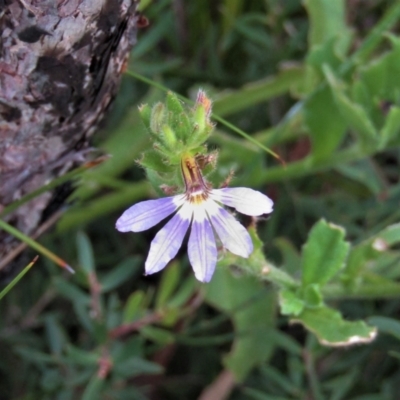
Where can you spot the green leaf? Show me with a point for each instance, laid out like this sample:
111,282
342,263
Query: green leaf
364,172
325,123
17,279
256,92
94,388
378,75
134,306
120,273
353,113
169,282
252,309
332,330
387,325
324,254
55,334
391,129
328,20
290,303
78,356
158,335
85,252
136,366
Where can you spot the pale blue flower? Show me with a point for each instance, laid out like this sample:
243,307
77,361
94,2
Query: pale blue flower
200,209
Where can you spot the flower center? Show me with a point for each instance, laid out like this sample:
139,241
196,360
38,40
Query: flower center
196,188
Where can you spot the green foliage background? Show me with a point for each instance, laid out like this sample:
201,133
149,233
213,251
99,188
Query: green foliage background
317,82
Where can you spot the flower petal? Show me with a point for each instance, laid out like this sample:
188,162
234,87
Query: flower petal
246,201
168,240
232,235
201,247
148,213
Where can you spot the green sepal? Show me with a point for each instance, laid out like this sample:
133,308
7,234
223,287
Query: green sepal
152,159
157,118
177,118
145,115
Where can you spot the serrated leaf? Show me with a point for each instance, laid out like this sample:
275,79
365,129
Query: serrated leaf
290,303
332,330
324,254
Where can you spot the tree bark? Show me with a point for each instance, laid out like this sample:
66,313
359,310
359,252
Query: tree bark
60,67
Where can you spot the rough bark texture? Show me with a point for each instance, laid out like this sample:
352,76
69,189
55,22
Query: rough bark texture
60,66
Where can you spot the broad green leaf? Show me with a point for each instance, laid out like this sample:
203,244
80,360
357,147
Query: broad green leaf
290,303
379,74
325,123
252,309
332,330
324,55
324,254
391,129
328,20
354,114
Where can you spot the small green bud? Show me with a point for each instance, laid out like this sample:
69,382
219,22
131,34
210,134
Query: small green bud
169,137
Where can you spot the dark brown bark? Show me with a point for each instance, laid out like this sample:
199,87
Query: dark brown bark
60,66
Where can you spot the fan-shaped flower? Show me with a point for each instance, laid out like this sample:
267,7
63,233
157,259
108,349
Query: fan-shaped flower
200,209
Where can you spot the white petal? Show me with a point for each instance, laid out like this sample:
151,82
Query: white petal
148,213
232,235
246,201
168,240
201,247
